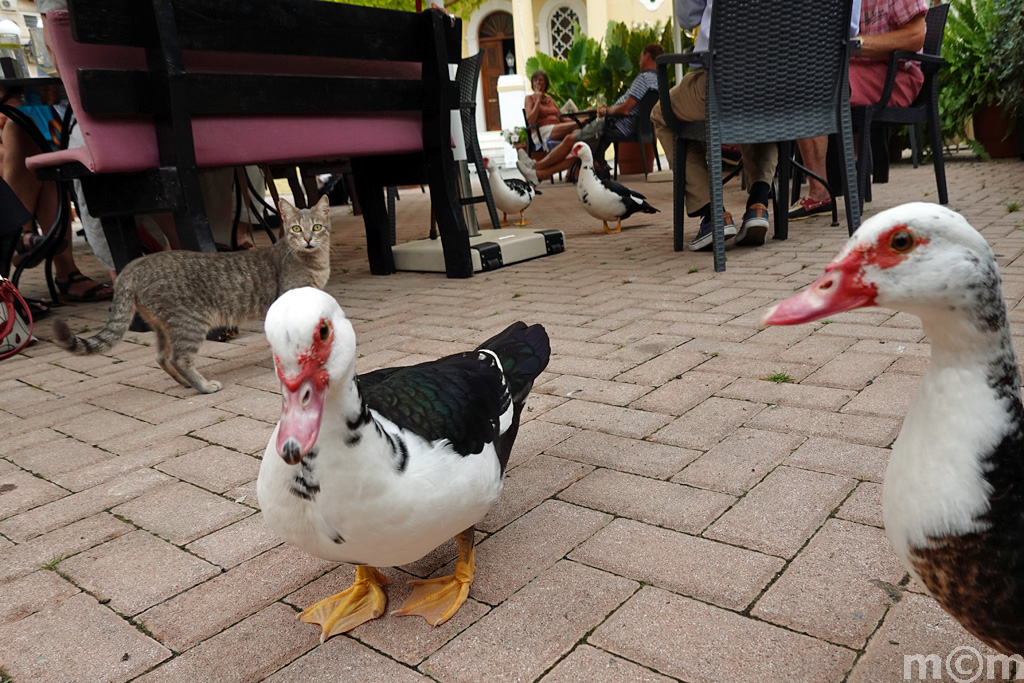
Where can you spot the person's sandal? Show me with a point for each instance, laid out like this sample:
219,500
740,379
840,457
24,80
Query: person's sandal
91,294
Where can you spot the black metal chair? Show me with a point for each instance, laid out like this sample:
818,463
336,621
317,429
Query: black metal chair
535,151
924,109
467,77
762,96
643,135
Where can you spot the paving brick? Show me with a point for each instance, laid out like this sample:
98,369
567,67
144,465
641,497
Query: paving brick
864,505
829,590
80,505
240,433
247,651
535,437
105,470
20,491
588,389
916,625
136,571
627,455
786,393
597,368
842,458
54,457
339,656
76,639
213,468
708,423
604,418
740,461
679,395
237,543
816,349
865,429
649,500
680,563
19,560
850,370
32,593
231,596
589,664
180,512
889,394
782,512
99,426
507,560
701,643
663,368
530,484
546,618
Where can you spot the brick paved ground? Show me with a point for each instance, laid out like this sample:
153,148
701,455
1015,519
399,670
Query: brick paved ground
669,514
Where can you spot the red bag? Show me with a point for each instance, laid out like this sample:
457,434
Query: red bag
15,332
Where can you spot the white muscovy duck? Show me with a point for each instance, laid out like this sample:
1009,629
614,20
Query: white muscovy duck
510,195
605,199
380,469
953,497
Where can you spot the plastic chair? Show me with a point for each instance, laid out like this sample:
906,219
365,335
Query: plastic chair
924,109
762,96
643,135
467,76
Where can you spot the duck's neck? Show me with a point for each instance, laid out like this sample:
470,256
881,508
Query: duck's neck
962,429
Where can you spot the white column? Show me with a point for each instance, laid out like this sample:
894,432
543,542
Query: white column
526,37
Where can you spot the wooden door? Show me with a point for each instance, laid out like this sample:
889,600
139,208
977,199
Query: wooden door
494,29
491,66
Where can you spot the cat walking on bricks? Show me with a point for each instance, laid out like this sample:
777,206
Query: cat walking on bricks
183,294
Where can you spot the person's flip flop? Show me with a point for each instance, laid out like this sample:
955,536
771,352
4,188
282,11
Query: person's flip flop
91,294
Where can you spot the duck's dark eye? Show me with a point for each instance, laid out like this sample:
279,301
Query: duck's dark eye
324,331
903,241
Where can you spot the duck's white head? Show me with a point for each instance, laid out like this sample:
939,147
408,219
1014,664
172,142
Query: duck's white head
314,345
583,151
920,258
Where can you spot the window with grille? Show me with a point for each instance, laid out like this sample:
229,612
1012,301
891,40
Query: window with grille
562,20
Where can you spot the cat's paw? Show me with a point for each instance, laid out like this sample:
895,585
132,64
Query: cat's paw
211,387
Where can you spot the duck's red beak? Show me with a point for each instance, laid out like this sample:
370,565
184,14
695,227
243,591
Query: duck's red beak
841,288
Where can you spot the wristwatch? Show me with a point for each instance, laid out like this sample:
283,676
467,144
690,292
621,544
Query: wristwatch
858,45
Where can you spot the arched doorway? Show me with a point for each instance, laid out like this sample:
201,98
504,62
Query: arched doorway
497,44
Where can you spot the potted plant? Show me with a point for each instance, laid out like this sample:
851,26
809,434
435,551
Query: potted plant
977,83
515,137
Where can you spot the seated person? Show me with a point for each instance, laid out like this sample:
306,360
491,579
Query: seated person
541,111
759,160
624,112
885,25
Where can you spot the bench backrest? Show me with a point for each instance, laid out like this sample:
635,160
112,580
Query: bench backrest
293,79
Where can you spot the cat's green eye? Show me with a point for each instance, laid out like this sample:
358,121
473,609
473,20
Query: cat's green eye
317,227
296,228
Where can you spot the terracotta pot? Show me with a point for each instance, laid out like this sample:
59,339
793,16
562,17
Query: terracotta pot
629,158
990,127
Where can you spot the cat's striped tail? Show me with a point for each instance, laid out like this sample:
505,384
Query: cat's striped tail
121,312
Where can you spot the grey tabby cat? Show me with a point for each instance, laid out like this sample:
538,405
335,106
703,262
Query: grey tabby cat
182,294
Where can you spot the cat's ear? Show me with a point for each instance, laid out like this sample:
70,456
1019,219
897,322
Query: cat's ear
323,208
288,212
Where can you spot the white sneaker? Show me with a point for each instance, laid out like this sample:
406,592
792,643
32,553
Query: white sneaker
525,159
529,173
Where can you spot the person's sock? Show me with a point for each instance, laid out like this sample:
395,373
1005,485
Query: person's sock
759,193
702,213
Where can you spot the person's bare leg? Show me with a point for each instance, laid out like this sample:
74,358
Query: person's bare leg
556,155
562,129
17,146
813,151
558,167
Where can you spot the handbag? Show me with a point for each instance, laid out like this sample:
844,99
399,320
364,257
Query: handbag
15,320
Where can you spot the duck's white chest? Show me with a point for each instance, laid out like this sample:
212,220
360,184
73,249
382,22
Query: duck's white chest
352,504
596,200
934,484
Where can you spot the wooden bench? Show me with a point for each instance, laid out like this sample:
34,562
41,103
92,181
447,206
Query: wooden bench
165,88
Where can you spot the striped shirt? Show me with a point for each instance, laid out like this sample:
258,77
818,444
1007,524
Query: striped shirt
644,82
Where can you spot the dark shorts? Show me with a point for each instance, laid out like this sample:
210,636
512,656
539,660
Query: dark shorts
591,132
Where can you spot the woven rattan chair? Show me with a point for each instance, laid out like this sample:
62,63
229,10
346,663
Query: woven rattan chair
466,77
762,95
924,109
